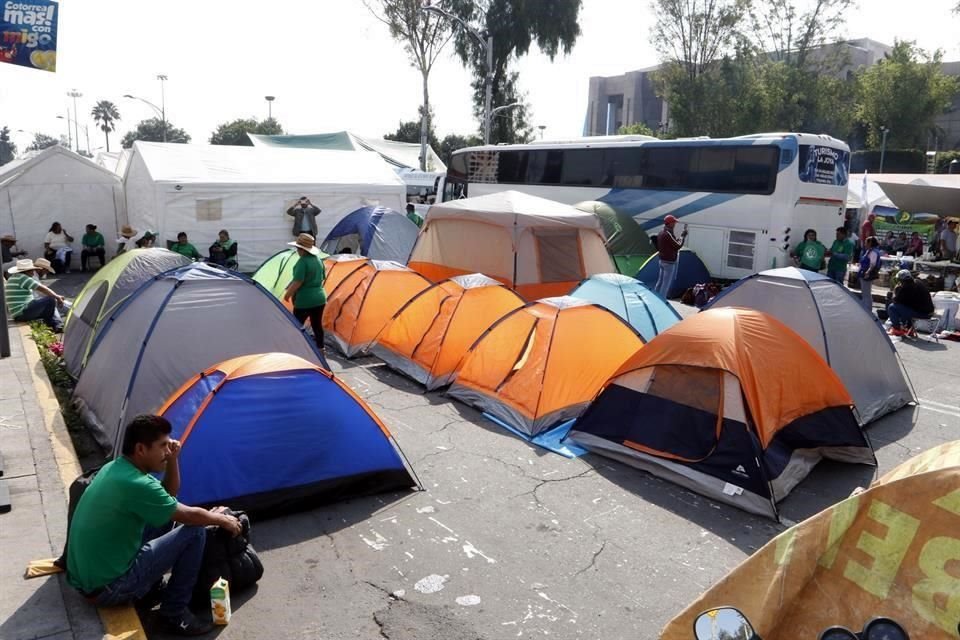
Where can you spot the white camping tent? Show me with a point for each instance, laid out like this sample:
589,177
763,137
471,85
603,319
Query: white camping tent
58,185
247,190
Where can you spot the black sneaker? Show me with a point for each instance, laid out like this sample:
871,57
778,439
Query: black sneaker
186,624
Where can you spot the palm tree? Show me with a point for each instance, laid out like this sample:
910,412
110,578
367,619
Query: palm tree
105,114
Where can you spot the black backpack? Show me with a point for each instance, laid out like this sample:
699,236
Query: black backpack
77,487
228,557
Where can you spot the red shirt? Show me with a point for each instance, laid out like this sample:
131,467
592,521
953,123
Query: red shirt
668,245
866,231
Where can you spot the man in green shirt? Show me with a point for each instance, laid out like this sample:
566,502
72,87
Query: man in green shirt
122,539
23,305
93,245
306,288
841,251
184,248
809,253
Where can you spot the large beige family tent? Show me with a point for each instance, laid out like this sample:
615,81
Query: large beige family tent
538,247
58,185
247,190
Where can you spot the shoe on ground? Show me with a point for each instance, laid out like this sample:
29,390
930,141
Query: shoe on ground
186,624
896,331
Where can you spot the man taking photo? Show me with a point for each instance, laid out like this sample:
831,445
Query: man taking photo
304,217
123,537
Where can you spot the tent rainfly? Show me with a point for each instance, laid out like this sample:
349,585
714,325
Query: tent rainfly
247,191
376,232
630,299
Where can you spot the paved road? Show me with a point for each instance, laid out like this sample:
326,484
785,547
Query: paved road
509,540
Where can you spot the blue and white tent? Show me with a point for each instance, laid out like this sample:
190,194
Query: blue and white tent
630,299
376,232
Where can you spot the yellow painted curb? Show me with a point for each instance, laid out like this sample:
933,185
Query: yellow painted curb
119,623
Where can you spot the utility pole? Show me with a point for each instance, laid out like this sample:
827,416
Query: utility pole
883,146
73,93
163,104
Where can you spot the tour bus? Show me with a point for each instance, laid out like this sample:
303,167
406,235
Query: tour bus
745,201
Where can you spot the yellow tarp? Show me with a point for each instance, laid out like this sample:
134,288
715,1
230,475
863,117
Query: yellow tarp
893,550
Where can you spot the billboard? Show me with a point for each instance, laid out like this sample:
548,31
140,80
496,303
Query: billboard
824,165
28,33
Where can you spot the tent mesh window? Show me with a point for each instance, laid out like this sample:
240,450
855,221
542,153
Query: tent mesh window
694,387
209,209
560,258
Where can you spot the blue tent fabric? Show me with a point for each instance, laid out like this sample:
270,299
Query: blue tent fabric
379,233
259,443
690,271
630,299
551,440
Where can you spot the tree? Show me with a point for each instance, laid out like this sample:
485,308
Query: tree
42,141
635,129
423,35
904,92
514,25
8,149
453,143
105,114
235,133
151,130
795,36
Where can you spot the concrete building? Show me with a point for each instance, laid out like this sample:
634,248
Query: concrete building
614,101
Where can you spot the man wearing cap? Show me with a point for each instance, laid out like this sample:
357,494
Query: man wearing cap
9,251
306,288
668,246
304,217
21,303
911,300
93,245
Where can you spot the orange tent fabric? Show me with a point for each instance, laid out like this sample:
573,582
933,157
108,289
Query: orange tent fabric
428,338
542,364
769,359
363,302
338,267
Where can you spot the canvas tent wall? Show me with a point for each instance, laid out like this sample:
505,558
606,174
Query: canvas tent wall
104,292
252,439
645,310
176,324
832,321
430,335
541,365
379,233
58,185
729,403
247,190
538,247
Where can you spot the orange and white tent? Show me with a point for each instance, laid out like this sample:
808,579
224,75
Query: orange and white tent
543,363
538,247
363,302
428,338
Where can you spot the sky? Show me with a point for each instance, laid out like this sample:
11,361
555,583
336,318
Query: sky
332,66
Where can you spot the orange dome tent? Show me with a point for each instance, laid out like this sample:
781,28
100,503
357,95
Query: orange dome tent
363,302
542,364
428,338
730,403
536,246
339,266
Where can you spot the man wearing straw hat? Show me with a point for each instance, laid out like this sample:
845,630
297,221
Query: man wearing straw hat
22,304
126,240
306,288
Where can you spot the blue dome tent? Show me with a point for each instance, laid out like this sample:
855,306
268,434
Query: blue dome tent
690,271
630,299
376,232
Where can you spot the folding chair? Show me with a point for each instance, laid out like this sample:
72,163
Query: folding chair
927,325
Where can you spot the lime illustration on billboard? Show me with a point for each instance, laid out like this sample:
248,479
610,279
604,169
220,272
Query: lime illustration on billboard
28,33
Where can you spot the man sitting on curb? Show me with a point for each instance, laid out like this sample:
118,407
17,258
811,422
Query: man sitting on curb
22,304
123,539
910,300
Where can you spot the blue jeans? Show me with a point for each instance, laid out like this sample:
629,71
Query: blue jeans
44,309
178,550
668,273
866,295
901,316
837,276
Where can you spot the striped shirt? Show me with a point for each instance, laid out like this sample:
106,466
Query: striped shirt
19,292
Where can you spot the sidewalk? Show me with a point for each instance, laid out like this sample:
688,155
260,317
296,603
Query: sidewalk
35,463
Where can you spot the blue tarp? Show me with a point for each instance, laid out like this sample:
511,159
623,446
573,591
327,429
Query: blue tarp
630,299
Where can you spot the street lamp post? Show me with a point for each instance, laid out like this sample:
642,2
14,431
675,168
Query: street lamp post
269,100
883,146
69,136
487,45
73,93
160,112
541,127
163,104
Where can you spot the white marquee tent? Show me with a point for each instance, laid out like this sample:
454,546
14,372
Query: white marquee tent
58,185
247,190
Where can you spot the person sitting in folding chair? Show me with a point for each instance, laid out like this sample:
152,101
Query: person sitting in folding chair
911,301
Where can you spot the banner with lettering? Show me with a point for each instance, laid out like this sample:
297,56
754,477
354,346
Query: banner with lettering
28,33
893,550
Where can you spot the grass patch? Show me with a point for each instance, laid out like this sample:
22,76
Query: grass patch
51,355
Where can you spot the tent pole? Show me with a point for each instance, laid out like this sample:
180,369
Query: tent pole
4,329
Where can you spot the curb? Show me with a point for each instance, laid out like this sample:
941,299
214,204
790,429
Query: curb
119,623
